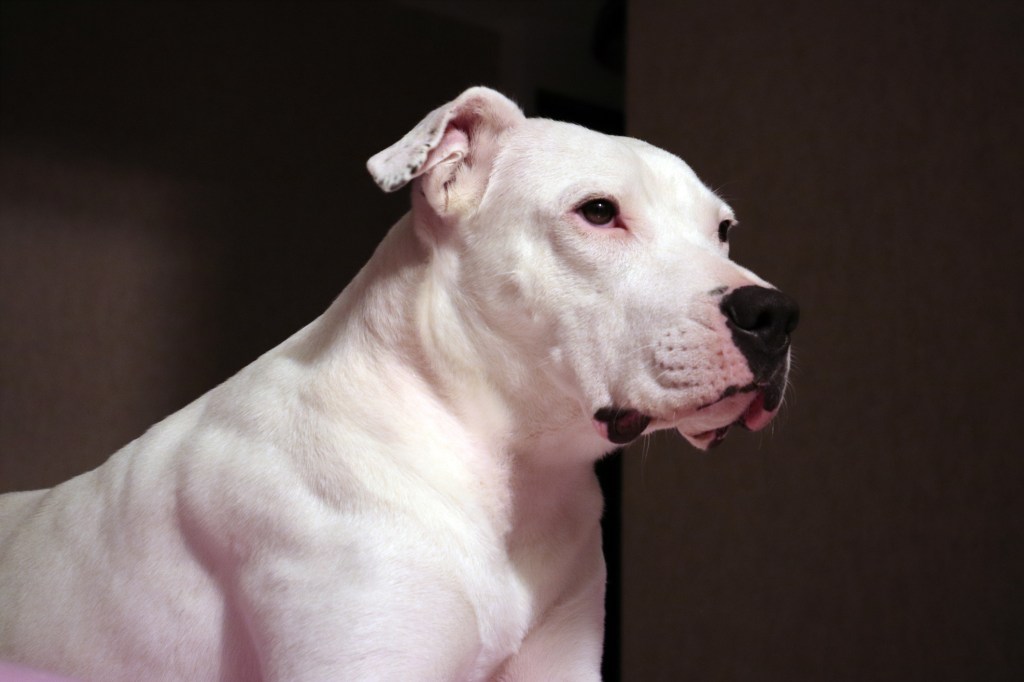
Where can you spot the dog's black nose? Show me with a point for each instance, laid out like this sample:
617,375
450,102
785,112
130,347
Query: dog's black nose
761,319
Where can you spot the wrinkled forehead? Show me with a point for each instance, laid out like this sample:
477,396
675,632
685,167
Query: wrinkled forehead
550,156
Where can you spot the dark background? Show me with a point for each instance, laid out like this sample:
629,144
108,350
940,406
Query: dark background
182,186
873,152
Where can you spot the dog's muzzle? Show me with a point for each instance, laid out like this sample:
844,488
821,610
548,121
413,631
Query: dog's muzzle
761,321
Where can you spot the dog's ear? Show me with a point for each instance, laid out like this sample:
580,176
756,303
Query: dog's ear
452,149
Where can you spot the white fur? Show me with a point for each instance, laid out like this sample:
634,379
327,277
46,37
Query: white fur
404,490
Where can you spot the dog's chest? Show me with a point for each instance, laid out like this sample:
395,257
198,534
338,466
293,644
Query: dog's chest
504,610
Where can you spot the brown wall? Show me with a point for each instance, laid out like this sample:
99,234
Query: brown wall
873,151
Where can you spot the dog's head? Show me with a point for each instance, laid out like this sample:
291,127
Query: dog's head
600,263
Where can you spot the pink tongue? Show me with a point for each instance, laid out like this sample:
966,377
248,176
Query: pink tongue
756,417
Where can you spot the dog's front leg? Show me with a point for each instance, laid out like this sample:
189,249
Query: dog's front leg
365,613
566,645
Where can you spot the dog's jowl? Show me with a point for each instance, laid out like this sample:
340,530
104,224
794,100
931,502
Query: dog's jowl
404,489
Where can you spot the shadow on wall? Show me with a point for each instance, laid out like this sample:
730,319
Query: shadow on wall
163,167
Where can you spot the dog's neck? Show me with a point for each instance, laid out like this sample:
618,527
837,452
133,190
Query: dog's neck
391,334
403,310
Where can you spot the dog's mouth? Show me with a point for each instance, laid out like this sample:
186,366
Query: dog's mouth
734,407
754,418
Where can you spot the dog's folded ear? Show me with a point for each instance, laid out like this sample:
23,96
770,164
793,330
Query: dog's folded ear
452,148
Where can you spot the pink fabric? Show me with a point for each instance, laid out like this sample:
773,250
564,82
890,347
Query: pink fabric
10,672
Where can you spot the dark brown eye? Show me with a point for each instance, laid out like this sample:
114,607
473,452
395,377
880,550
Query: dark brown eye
599,211
723,230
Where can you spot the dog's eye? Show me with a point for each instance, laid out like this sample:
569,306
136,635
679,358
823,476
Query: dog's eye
599,211
723,230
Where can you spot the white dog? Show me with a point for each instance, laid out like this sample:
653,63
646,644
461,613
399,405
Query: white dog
404,490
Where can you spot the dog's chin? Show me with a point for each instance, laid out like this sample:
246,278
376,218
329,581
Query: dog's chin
711,424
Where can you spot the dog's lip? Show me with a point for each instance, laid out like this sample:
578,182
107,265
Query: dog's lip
708,439
620,425
730,392
754,417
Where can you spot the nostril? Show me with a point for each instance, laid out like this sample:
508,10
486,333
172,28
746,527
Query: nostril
765,319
